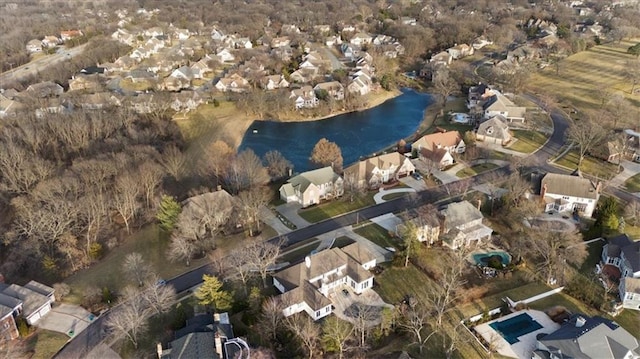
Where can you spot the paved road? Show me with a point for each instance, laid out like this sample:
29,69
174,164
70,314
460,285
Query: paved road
40,65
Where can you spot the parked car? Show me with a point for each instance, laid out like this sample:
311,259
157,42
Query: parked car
417,176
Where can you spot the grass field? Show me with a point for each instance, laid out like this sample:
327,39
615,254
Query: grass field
376,234
129,85
633,184
528,141
582,74
476,169
590,165
44,343
334,208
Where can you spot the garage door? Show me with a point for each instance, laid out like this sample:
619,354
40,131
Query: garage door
45,310
33,318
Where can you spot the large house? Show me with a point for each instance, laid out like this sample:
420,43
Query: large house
497,104
494,130
32,301
307,286
569,193
450,141
427,226
462,225
374,171
304,97
587,337
334,89
623,254
311,187
632,146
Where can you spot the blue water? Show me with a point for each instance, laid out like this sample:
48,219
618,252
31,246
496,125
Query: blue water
483,258
358,134
515,327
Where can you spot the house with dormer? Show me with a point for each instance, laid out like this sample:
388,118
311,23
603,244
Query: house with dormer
308,286
495,103
31,301
623,254
494,130
233,83
375,171
311,187
450,141
304,97
569,193
274,82
462,225
334,89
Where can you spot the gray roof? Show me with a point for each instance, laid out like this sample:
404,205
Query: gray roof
598,338
568,185
32,301
40,288
192,346
459,213
628,247
495,127
8,304
317,177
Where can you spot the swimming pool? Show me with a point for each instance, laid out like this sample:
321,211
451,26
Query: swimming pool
515,327
483,258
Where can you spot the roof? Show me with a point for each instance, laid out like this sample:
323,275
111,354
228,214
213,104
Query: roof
201,204
503,104
192,346
459,213
495,127
596,338
436,155
359,253
362,169
40,288
438,140
567,185
303,180
31,300
329,86
8,304
631,250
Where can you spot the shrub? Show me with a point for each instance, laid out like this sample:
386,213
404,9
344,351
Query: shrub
95,250
23,327
216,103
107,296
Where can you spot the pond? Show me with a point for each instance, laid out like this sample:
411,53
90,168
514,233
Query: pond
358,134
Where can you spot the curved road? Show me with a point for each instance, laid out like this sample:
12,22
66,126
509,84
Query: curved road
86,340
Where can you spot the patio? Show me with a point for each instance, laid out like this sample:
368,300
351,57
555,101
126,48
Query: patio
350,306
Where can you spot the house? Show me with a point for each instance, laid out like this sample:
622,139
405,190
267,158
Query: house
587,337
450,141
427,226
124,36
462,225
349,51
481,42
331,41
623,254
308,286
436,159
233,83
441,58
360,85
274,82
97,101
309,188
225,55
207,205
186,101
610,151
34,46
179,79
53,105
10,307
45,89
304,97
632,145
494,130
205,336
153,32
242,43
334,89
9,107
284,53
360,39
50,41
140,75
375,171
280,41
68,35
217,35
569,193
497,104
35,300
289,29
411,21
460,51
181,34
89,83
323,28
122,64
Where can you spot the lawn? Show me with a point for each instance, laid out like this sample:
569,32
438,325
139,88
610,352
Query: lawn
592,166
572,304
377,234
528,141
476,169
297,254
335,208
581,75
396,282
44,343
129,85
390,196
494,301
633,183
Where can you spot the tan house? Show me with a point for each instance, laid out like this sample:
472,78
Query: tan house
494,130
460,51
89,83
427,225
309,188
334,89
374,171
462,225
451,141
497,104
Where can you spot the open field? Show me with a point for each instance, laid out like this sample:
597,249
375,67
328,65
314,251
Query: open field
592,166
335,207
476,169
376,234
528,141
581,75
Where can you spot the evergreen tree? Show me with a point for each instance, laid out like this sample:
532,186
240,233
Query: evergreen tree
211,293
168,213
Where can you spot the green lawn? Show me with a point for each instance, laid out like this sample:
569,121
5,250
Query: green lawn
561,299
528,141
299,252
334,208
342,242
44,343
590,165
396,282
629,320
390,196
476,169
377,234
633,183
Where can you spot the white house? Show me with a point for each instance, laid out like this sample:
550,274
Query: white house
225,55
361,38
304,97
569,193
233,83
35,298
34,46
273,82
462,225
375,171
494,130
497,104
624,254
311,187
307,286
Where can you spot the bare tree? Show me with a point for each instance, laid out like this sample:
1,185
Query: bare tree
125,197
251,201
337,335
444,85
352,187
150,176
586,134
241,267
632,212
271,318
415,321
306,330
158,297
216,159
364,316
21,171
174,162
130,319
448,286
246,172
263,256
277,166
135,268
327,153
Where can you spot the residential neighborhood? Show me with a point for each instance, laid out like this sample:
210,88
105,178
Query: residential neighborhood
320,179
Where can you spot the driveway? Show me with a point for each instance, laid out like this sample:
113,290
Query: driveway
267,216
67,319
417,185
378,196
290,211
630,169
445,177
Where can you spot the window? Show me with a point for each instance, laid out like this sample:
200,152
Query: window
317,313
327,309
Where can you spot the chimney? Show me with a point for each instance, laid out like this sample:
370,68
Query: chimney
543,191
479,204
159,350
580,321
599,187
218,188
